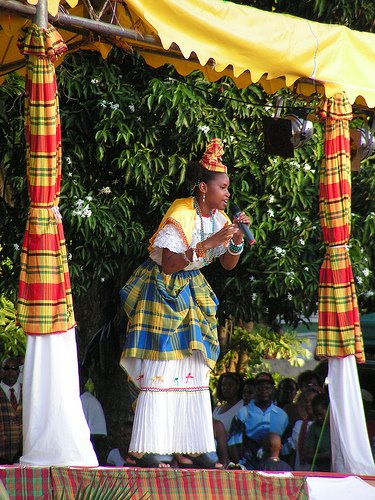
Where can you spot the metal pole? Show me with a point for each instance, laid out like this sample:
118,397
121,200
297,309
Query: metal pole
81,22
41,14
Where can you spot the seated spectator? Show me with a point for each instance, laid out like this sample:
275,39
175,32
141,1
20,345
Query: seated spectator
221,440
286,392
95,418
10,412
308,378
254,421
295,444
321,370
271,454
248,391
21,362
229,393
318,441
295,410
120,457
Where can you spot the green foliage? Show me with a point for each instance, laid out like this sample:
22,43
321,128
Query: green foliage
356,14
12,337
253,347
13,194
128,134
362,250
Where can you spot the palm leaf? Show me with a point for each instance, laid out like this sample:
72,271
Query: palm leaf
111,488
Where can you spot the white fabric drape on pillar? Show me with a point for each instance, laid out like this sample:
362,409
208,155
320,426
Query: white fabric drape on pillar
339,488
54,425
351,452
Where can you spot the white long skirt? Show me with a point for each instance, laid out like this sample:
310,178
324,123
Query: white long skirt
173,412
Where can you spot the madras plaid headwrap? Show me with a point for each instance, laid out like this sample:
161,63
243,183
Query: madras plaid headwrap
44,300
211,159
339,331
169,315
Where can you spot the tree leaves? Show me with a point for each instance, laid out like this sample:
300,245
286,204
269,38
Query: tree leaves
128,134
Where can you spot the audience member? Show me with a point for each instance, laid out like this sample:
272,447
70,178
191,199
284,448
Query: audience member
95,418
295,410
321,370
20,361
254,421
229,392
308,378
10,412
318,440
221,440
119,457
294,447
248,391
271,454
286,392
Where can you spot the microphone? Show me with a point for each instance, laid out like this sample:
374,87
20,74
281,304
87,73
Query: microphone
236,211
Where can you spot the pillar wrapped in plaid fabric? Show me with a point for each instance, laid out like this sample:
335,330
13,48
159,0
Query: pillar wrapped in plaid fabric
339,331
44,301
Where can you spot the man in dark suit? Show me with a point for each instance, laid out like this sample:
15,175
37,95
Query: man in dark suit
10,412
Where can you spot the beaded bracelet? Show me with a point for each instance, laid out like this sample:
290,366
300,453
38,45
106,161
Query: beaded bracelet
199,250
234,253
235,249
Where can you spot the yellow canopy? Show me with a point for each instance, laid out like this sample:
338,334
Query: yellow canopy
221,38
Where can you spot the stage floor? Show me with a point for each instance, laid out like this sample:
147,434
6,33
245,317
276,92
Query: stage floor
162,484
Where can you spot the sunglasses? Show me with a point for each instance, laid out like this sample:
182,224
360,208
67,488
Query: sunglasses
6,368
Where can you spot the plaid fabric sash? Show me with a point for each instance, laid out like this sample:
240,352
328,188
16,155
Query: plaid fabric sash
45,303
169,315
339,332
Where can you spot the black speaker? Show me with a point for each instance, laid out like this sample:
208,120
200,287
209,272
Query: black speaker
277,135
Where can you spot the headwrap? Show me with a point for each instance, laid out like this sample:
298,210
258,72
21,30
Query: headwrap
211,159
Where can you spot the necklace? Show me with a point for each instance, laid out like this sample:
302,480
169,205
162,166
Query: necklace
210,252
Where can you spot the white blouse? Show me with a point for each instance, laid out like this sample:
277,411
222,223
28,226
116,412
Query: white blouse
170,238
227,416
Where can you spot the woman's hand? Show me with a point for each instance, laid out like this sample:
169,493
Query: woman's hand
222,237
242,218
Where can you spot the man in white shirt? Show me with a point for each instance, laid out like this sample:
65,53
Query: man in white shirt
95,418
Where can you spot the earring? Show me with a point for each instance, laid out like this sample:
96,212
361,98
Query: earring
204,197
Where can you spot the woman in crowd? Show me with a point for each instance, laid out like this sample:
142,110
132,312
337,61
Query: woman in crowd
294,447
172,342
296,410
286,392
229,392
317,447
